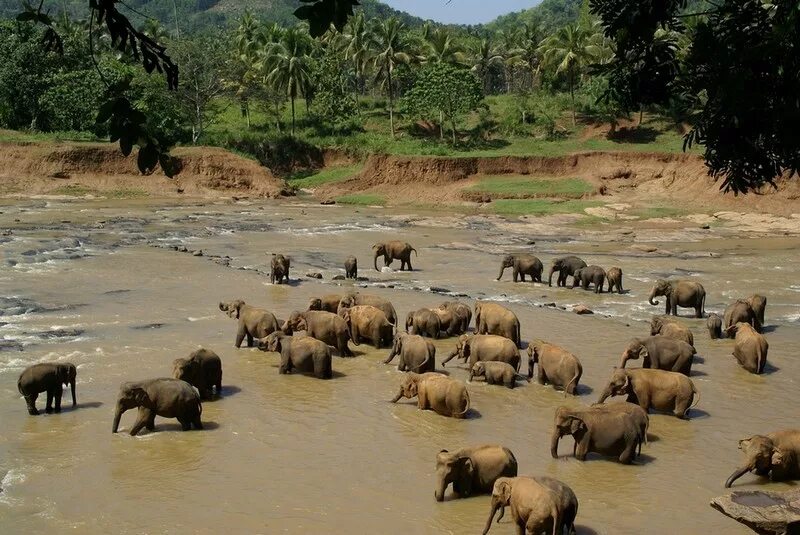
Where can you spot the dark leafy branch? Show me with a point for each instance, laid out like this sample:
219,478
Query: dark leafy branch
321,14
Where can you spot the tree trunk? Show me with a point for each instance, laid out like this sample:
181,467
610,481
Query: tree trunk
441,124
391,101
640,118
292,99
453,124
572,96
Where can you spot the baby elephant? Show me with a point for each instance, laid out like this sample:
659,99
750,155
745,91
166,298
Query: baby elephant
496,373
351,268
47,377
714,324
534,506
750,348
253,323
590,275
473,470
424,322
557,366
664,326
436,392
614,276
302,353
202,370
775,454
279,269
657,389
168,398
416,353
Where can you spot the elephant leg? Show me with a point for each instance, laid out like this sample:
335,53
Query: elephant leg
186,423
141,420
581,449
48,408
408,262
30,401
698,310
196,422
628,454
151,422
286,365
682,408
240,334
249,340
377,339
541,378
57,393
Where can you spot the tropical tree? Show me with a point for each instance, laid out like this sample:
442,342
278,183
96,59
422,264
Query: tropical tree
287,65
391,48
485,56
441,46
356,49
569,51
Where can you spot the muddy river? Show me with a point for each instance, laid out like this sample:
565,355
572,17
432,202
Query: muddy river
98,284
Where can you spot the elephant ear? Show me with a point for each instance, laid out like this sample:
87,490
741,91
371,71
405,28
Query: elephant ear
576,424
502,489
237,306
643,352
465,477
139,395
777,457
627,382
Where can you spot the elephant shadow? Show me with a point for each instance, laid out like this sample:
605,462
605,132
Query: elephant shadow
227,390
84,405
697,359
769,328
698,373
473,414
585,530
208,425
583,390
643,459
695,413
769,368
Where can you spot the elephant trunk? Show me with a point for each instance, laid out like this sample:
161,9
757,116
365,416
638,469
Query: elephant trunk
441,485
450,357
495,507
554,443
652,296
550,276
736,475
398,396
624,360
375,262
605,395
471,375
72,388
502,270
117,416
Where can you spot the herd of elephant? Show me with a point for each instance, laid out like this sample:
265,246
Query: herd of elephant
491,352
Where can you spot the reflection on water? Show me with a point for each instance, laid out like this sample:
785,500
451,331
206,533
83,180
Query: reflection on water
109,292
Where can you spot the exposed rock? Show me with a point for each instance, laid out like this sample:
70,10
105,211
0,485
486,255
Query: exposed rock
328,202
438,290
198,252
765,512
644,248
338,277
551,305
314,275
582,310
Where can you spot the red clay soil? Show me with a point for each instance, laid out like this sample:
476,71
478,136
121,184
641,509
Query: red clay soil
42,168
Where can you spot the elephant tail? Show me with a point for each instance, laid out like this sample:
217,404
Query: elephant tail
519,336
466,409
696,398
415,252
573,381
703,305
422,365
19,386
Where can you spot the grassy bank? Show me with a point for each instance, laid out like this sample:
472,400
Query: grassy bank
510,187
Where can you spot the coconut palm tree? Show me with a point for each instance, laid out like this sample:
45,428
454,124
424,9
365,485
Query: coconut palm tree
570,50
441,46
356,49
391,47
286,65
485,56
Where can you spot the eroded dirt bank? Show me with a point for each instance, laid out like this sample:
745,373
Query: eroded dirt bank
51,168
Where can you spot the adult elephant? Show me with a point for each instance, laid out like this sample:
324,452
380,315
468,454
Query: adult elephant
302,353
456,315
664,326
367,323
436,392
328,303
759,304
351,267
165,397
496,373
416,353
522,264
653,389
590,275
566,267
485,347
597,430
393,250
279,269
534,506
776,455
253,323
557,366
494,318
614,277
473,470
740,311
325,326
357,298
750,348
47,377
680,293
424,322
202,369
660,353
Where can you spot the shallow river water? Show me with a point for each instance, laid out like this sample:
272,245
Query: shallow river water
98,284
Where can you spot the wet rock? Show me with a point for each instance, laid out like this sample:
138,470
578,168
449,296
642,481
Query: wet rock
60,174
531,242
179,190
328,202
198,252
705,227
550,305
438,290
10,345
582,310
183,249
338,277
59,333
116,292
362,279
147,327
314,275
644,248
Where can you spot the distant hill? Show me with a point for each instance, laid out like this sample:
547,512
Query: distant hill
550,14
198,15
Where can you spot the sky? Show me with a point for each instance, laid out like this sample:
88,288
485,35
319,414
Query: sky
460,11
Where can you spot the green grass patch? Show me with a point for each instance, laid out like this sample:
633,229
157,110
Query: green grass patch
324,176
655,212
509,187
74,190
362,199
539,207
125,194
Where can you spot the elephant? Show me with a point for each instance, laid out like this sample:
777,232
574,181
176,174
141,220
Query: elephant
493,318
254,323
392,250
759,305
436,392
496,373
523,264
279,269
473,470
640,417
750,348
557,366
202,370
416,353
775,454
325,326
454,316
671,329
302,353
423,322
653,389
355,298
566,267
485,347
612,433
661,353
740,312
566,503
365,322
328,303
534,506
47,377
351,267
590,275
686,294
165,397
714,324
614,277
